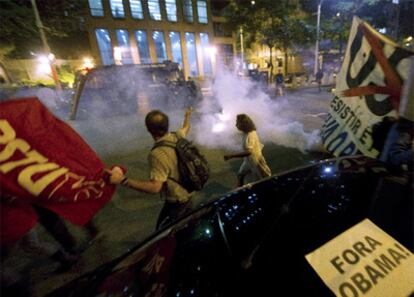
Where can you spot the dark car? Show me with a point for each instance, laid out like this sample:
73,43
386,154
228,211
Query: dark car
253,241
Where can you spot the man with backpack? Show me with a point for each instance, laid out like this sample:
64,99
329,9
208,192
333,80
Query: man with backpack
177,169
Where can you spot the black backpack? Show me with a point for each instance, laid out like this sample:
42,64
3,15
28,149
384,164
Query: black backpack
193,167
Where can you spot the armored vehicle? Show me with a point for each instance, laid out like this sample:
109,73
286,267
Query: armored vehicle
127,89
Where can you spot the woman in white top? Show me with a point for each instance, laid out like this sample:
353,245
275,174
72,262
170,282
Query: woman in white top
253,161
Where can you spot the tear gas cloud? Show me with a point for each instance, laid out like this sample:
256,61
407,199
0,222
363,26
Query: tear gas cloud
112,121
235,95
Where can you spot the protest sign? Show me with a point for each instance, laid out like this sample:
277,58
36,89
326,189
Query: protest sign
368,88
43,161
365,261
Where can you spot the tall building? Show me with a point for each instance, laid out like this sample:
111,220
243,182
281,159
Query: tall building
400,19
224,38
152,31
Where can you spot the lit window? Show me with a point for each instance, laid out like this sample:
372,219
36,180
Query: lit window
105,46
159,43
220,30
207,52
188,11
154,9
176,47
202,11
191,53
117,8
395,1
96,7
136,9
142,42
123,43
171,8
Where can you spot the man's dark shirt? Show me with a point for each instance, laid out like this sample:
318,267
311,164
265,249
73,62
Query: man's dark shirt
279,79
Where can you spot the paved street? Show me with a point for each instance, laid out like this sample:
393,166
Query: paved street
130,216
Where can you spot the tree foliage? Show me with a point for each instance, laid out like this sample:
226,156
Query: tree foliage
276,24
337,15
19,34
17,24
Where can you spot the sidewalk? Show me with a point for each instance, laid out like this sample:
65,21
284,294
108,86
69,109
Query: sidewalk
271,90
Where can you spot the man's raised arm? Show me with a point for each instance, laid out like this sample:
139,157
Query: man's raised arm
186,123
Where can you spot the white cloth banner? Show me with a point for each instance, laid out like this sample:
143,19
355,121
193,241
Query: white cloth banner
368,88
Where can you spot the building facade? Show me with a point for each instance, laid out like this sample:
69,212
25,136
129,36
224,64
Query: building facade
224,39
152,31
400,19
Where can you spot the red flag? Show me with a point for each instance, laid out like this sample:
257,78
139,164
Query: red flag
43,161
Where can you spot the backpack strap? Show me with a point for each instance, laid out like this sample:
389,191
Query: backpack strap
167,143
170,144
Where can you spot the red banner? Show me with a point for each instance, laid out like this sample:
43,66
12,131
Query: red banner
43,161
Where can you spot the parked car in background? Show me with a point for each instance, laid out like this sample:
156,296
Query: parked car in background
253,240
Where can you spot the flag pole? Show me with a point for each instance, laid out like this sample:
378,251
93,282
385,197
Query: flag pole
318,25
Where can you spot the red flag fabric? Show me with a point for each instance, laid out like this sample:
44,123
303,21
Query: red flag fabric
43,161
17,218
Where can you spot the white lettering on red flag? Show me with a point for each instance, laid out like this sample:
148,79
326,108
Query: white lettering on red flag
43,161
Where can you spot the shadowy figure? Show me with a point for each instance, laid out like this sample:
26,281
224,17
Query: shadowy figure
398,146
280,83
319,76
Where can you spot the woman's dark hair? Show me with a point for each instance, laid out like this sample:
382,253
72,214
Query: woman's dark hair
157,123
245,123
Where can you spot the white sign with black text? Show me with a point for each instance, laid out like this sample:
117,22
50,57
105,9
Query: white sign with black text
365,261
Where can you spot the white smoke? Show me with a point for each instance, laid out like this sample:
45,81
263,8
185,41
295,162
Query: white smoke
102,122
235,95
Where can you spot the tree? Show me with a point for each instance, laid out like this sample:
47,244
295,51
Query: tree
278,25
18,27
336,29
336,16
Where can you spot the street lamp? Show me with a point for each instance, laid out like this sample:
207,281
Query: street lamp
242,49
46,45
318,23
87,63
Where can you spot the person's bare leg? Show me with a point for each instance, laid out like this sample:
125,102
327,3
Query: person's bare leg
240,180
